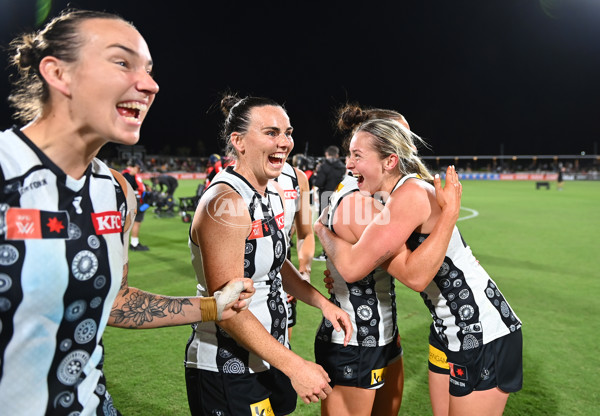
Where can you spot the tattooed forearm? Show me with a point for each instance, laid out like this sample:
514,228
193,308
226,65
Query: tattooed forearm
140,308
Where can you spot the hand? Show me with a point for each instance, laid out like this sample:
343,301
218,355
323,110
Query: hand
305,276
311,382
339,319
449,197
290,298
234,297
328,280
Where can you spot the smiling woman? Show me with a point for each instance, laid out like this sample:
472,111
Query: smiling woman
82,81
246,365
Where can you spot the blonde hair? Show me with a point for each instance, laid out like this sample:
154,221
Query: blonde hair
390,137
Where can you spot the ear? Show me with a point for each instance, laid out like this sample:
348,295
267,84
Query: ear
55,72
391,162
237,141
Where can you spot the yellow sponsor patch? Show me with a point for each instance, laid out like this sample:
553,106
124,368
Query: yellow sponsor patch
262,408
378,376
438,357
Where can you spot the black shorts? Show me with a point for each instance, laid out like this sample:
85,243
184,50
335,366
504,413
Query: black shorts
438,360
266,393
497,364
291,313
356,366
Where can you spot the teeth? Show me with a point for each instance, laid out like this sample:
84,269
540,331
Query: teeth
278,155
133,105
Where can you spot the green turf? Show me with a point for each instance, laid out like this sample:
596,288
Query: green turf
540,246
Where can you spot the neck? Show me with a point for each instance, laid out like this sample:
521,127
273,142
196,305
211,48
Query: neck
68,149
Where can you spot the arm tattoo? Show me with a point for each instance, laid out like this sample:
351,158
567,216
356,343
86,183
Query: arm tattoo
143,307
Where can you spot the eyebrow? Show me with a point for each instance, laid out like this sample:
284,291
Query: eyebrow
129,51
277,128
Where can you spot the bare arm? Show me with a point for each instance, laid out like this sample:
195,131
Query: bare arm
135,308
418,268
223,260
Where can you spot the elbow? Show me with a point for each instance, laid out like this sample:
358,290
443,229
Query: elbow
351,275
416,283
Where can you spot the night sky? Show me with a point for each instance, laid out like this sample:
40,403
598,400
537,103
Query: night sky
518,77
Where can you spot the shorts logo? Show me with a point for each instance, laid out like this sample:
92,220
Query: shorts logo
262,408
378,376
33,224
107,222
458,371
437,357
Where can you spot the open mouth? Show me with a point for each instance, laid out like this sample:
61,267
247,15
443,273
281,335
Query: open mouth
277,159
131,110
358,177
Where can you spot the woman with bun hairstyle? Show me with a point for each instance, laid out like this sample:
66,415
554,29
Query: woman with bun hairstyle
246,367
473,325
368,374
80,82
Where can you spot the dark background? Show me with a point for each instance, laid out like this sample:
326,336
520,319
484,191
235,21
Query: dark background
472,77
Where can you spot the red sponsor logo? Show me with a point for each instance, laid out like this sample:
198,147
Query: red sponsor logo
257,231
291,194
23,224
458,371
280,219
107,222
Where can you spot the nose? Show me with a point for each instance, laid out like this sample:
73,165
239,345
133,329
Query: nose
147,84
349,162
287,141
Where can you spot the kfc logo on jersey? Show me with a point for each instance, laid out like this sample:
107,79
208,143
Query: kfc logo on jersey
280,219
291,194
107,222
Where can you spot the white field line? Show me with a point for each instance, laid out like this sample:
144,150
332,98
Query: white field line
472,214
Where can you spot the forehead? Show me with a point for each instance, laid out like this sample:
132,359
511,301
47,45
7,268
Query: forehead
361,141
102,34
269,116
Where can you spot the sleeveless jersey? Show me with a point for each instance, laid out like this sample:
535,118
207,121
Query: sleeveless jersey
61,266
289,183
370,302
467,308
210,347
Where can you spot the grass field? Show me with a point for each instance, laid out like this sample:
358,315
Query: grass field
540,246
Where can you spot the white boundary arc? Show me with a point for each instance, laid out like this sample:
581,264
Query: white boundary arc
473,214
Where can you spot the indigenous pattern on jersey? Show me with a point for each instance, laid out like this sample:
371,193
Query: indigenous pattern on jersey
370,302
210,347
467,308
289,183
61,265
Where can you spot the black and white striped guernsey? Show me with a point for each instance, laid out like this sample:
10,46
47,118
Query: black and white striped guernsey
211,348
291,190
61,266
466,305
370,302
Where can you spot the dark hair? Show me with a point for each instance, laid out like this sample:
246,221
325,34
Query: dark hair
237,115
59,38
333,151
351,116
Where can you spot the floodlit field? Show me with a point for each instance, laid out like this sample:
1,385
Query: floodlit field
540,246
